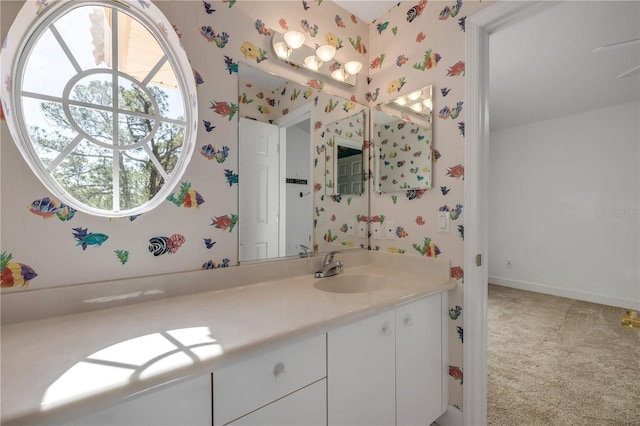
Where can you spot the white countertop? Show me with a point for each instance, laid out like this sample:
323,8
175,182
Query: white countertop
60,368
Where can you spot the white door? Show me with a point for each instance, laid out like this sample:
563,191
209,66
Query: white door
258,215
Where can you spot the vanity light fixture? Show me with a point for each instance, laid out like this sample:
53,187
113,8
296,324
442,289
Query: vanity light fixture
290,48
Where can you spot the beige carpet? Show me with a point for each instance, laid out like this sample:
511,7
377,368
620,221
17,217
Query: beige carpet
557,361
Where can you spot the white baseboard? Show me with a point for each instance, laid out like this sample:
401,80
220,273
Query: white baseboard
563,292
452,417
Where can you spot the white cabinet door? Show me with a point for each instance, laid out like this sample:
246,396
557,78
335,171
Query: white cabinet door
361,372
306,407
419,361
187,403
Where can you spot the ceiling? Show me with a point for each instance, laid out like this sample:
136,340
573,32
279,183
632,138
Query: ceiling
366,10
543,66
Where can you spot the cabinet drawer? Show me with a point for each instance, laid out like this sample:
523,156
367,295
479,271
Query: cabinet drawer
251,384
306,407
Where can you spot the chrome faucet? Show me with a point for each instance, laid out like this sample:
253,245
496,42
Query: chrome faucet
329,266
306,251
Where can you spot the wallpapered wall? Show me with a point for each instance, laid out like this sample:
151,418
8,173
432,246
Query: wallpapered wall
415,44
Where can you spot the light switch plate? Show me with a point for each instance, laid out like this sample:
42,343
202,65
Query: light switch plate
390,229
321,217
376,231
443,222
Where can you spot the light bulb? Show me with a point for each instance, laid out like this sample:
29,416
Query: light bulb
427,104
353,67
417,107
281,50
401,101
312,62
294,39
339,74
414,95
326,52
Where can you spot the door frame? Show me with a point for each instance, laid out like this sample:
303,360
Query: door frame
291,119
475,299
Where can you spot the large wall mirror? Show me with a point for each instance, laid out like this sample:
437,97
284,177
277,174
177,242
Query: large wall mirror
403,137
287,202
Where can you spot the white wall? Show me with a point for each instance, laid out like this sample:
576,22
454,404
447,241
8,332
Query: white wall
564,206
298,208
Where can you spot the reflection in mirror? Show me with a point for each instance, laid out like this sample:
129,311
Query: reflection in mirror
345,156
283,210
402,134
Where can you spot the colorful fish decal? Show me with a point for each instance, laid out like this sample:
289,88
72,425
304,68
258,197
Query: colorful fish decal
420,37
416,10
312,30
262,28
122,255
372,97
381,27
295,94
211,153
45,207
462,23
456,373
339,22
455,312
188,197
395,85
461,231
401,60
166,245
305,6
444,91
431,59
208,243
13,273
224,109
420,220
224,222
85,239
207,125
358,45
401,233
450,12
444,190
457,273
377,62
456,171
330,106
230,177
456,212
197,77
230,65
428,248
207,7
328,237
316,84
461,128
210,35
231,2
456,69
252,51
212,265
460,331
354,19
333,40
43,4
264,109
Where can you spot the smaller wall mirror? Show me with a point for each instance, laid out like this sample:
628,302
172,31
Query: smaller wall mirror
402,135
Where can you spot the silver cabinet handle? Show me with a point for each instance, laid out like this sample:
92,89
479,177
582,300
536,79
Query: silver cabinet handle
408,320
386,328
278,372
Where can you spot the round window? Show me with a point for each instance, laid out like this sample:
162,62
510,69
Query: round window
100,100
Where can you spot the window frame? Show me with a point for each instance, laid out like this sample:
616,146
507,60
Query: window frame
33,20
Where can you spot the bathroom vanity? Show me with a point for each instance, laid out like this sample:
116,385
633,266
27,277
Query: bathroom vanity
369,349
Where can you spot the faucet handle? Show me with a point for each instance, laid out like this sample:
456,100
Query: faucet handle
329,257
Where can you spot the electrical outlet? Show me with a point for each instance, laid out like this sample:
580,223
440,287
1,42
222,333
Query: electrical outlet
376,231
508,264
390,229
351,227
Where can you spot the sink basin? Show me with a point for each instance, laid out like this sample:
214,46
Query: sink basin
352,283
